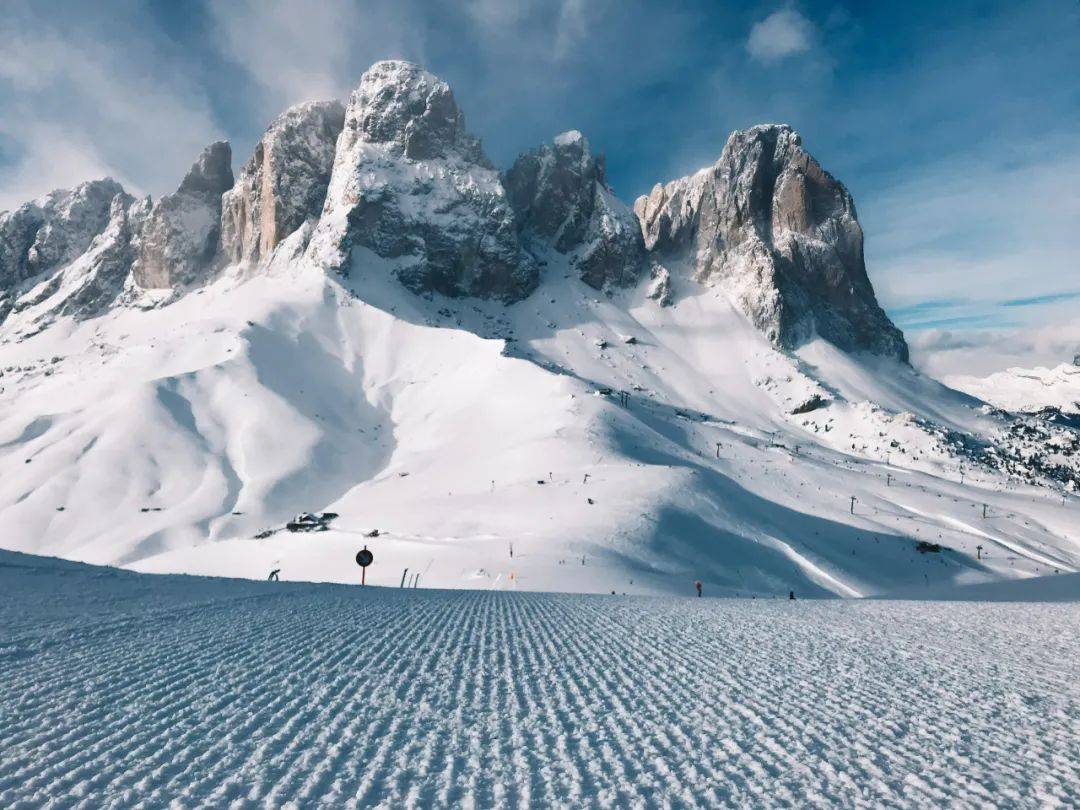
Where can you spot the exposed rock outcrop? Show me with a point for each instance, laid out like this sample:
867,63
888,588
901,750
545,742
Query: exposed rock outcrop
660,286
560,197
96,279
180,237
411,185
396,181
38,239
781,235
49,232
284,183
93,281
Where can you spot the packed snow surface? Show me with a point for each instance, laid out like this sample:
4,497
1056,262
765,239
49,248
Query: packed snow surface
123,689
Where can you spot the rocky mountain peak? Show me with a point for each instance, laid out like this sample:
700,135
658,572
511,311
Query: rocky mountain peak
180,237
284,183
781,235
400,104
552,189
397,174
211,173
51,231
560,197
413,187
40,238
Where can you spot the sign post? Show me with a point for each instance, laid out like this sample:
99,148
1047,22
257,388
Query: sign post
364,558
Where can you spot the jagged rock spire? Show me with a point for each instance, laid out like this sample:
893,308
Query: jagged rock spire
180,237
413,187
560,197
46,233
781,235
284,183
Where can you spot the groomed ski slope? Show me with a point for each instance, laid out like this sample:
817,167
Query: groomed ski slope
122,690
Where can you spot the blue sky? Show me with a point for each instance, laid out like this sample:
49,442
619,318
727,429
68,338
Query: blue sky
955,124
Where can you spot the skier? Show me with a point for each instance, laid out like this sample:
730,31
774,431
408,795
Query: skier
791,595
698,586
274,575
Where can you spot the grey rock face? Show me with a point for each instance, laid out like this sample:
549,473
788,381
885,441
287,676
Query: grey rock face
284,183
45,234
413,187
413,113
560,197
97,278
88,284
781,234
180,237
660,285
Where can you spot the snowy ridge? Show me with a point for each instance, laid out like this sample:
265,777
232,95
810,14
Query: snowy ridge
1027,390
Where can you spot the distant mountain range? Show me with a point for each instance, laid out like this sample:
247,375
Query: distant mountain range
1028,390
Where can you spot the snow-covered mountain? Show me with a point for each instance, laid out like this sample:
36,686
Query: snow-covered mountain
1028,390
513,377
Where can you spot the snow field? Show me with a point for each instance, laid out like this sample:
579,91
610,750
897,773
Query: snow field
122,689
166,440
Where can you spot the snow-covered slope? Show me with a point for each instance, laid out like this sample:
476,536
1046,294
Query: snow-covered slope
124,690
1027,389
166,439
613,430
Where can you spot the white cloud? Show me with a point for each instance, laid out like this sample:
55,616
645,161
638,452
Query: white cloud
54,157
943,353
492,15
783,33
980,230
572,27
550,32
979,259
76,106
298,51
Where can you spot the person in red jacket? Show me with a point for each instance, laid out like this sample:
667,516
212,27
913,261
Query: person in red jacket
698,586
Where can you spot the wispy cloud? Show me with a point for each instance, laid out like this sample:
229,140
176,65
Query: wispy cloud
1039,300
783,33
974,238
542,30
295,51
974,313
923,308
978,352
84,97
